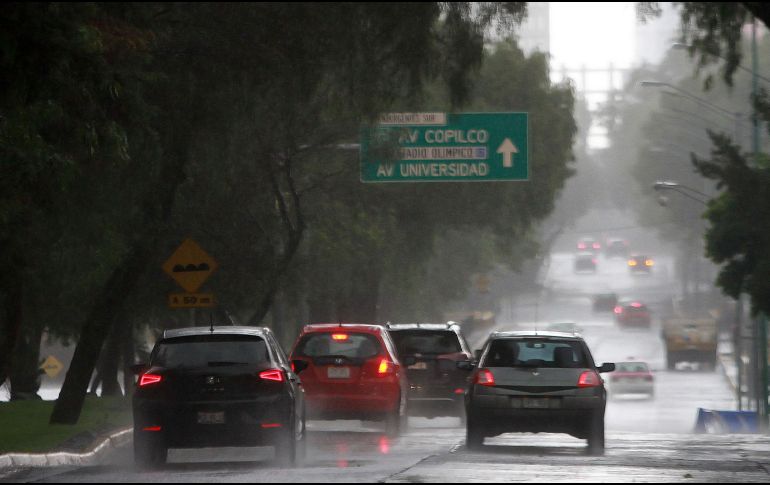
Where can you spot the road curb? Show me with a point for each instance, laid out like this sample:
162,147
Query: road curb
93,457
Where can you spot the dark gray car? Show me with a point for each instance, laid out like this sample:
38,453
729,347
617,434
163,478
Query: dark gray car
536,382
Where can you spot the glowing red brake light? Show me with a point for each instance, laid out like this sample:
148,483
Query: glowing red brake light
588,379
149,379
581,246
384,368
597,245
618,310
275,375
339,336
485,378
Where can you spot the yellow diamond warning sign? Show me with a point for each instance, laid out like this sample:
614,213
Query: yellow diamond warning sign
190,266
52,366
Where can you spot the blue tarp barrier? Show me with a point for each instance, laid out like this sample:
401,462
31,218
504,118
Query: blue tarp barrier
726,422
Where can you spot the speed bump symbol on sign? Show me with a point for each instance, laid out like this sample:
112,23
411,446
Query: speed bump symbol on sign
190,266
52,366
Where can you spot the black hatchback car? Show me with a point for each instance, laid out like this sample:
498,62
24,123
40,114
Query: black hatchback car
218,386
430,352
535,382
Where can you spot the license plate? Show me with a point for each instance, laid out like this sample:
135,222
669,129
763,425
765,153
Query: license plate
211,418
338,372
419,366
536,403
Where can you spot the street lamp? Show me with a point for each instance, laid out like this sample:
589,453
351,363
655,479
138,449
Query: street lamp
682,189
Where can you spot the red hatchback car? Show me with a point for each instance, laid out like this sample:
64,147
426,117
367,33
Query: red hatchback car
632,313
353,373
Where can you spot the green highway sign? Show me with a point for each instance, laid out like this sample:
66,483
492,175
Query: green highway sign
446,147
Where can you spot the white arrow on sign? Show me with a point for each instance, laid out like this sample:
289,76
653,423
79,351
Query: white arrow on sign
507,148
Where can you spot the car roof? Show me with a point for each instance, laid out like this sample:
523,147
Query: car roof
223,330
423,326
534,334
330,327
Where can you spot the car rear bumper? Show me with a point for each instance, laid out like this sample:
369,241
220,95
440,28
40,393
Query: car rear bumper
356,406
246,423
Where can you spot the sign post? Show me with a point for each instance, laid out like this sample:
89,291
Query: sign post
446,147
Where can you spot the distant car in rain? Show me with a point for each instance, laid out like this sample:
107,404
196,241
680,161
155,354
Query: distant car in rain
589,244
604,302
632,378
638,263
616,248
536,382
353,372
430,352
632,312
585,262
218,387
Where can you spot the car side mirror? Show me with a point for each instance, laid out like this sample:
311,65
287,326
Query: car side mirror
137,369
608,367
299,365
409,361
465,365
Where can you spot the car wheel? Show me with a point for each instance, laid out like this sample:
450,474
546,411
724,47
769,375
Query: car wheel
596,435
286,447
149,452
474,436
393,422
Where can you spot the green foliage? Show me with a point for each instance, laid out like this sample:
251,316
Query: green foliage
737,238
24,425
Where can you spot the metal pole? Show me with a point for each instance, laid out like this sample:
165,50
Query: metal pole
760,323
738,351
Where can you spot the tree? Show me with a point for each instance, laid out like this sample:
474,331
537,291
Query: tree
255,112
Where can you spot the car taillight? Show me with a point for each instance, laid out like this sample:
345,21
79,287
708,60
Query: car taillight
588,379
149,379
275,375
597,245
593,260
385,367
581,246
618,310
636,305
485,378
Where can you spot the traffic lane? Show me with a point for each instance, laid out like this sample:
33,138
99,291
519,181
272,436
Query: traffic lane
629,457
349,451
674,408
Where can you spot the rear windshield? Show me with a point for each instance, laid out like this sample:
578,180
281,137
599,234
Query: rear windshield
411,342
632,367
536,353
339,344
210,351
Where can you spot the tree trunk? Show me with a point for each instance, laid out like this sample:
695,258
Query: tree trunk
156,212
127,351
121,283
110,363
13,292
25,371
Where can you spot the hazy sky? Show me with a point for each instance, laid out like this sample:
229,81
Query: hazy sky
592,34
